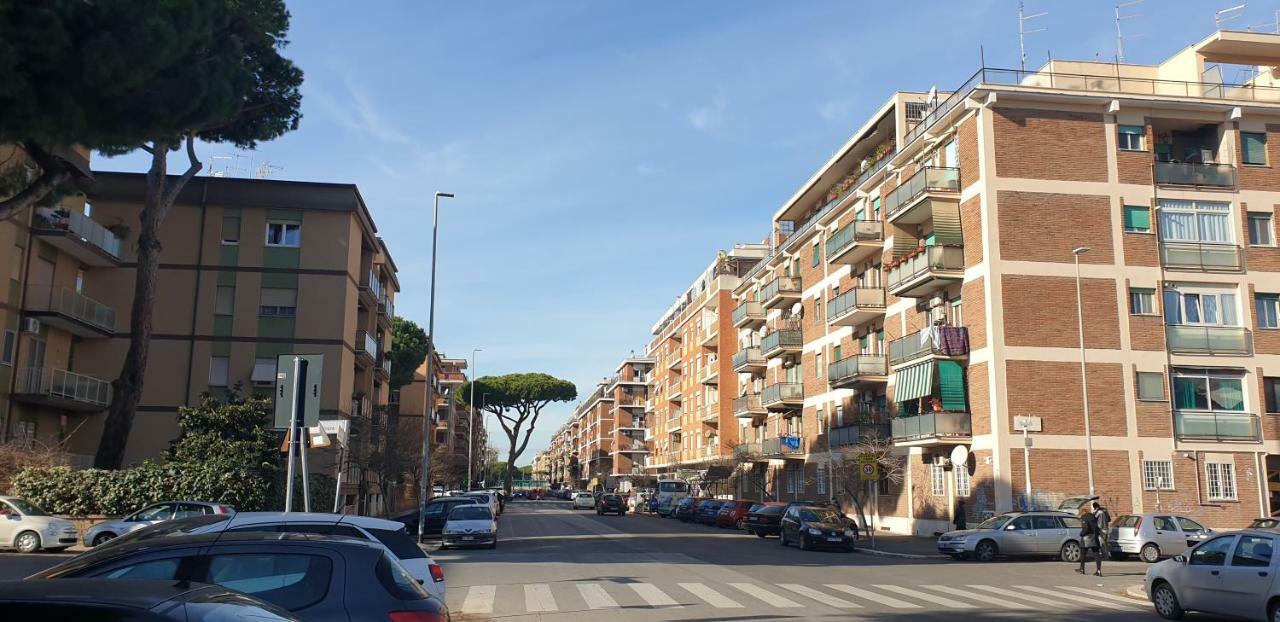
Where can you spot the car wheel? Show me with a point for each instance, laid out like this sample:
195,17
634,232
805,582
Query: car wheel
760,534
738,524
1070,552
804,543
27,542
1274,611
985,551
1150,553
494,544
1166,602
782,537
102,538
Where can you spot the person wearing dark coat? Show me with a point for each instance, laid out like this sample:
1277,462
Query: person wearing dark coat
961,520
1089,540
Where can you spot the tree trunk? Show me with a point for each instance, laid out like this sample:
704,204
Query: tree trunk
508,478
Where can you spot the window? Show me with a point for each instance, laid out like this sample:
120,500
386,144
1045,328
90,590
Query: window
278,302
1253,552
1260,231
1131,138
955,312
1142,301
1253,147
231,230
1213,552
1157,475
1195,221
10,347
1200,307
284,234
264,371
160,570
224,301
822,479
1208,390
290,581
1137,219
1189,525
937,480
816,255
1045,522
1267,308
15,271
1021,523
1222,481
219,370
1271,389
1150,386
963,486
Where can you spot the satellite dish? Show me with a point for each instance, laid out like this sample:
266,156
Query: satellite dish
960,455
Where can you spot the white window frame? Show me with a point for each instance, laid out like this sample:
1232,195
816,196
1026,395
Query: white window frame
821,479
1175,300
1271,300
1221,479
937,480
1197,209
284,233
964,481
1142,301
214,362
1207,375
1122,142
1269,229
1137,386
1157,475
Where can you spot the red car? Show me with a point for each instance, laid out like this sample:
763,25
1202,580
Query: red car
734,513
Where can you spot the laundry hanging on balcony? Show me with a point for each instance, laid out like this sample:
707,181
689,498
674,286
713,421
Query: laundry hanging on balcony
914,382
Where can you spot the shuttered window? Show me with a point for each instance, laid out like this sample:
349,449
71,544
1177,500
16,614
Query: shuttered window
278,302
951,383
1253,146
1137,218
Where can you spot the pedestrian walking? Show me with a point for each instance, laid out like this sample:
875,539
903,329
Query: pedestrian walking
1089,541
1104,529
961,521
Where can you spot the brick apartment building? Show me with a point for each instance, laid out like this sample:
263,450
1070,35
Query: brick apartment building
451,423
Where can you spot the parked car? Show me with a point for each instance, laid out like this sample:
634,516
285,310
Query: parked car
150,515
1264,523
470,525
437,511
765,519
123,600
684,510
707,512
1152,536
1016,533
611,504
817,527
1232,574
1071,505
583,501
487,498
314,577
29,529
733,514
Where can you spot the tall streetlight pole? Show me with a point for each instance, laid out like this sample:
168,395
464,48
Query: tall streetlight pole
1084,377
424,483
471,416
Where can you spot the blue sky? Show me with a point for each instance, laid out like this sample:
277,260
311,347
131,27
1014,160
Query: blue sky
602,151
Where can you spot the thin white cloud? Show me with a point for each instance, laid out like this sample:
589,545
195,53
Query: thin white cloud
709,116
836,109
357,113
447,159
647,169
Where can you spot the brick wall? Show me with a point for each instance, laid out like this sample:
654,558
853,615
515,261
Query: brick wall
1146,332
967,146
1044,226
1260,177
1060,473
1154,419
1260,258
979,398
1051,390
1134,167
1041,311
973,299
926,505
1046,144
894,502
815,379
1189,500
971,228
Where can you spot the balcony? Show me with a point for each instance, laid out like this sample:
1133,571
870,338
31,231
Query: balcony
676,395
855,242
710,413
926,271
1204,257
1216,426
370,289
855,307
781,291
938,341
58,388
1195,175
858,369
748,315
912,202
1211,340
710,373
784,446
709,336
384,368
366,347
629,446
78,235
676,363
781,342
932,429
386,309
748,360
850,435
70,311
782,396
748,406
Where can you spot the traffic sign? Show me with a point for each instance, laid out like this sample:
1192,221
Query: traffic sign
868,467
284,395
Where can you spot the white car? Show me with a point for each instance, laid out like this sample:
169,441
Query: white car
1233,574
487,498
26,527
584,500
150,515
470,525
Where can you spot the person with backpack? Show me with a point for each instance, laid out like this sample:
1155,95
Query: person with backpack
1103,518
1089,541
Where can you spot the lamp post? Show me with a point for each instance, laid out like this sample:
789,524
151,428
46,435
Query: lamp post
471,416
1084,377
424,484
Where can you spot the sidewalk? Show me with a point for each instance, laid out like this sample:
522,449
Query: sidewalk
897,545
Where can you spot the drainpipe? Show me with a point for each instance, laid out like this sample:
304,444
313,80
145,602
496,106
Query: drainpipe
195,305
17,337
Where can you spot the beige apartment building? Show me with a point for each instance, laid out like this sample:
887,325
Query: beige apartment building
451,421
922,288
250,269
630,447
593,430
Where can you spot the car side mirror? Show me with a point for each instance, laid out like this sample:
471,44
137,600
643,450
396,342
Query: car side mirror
1181,559
1010,528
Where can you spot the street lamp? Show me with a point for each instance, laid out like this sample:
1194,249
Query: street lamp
424,484
471,415
1084,377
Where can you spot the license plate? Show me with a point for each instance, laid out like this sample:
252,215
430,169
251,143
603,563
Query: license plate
468,537
833,539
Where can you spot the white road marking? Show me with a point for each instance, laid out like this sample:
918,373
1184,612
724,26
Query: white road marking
969,594
826,599
873,596
1072,598
479,599
596,597
652,595
713,598
768,597
1096,594
1019,595
925,596
537,598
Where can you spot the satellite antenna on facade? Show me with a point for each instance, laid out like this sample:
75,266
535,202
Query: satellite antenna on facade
1119,33
1226,15
1023,18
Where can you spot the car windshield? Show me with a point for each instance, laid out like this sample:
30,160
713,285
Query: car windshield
27,508
470,512
673,487
178,527
771,509
995,522
815,515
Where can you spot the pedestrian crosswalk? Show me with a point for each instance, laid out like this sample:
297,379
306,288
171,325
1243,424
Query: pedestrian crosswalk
623,593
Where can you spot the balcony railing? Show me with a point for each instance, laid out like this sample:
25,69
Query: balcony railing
782,395
1195,174
709,373
1187,339
780,289
748,312
939,340
1201,256
366,344
1216,426
747,358
782,445
748,406
780,341
914,273
853,434
86,229
843,309
870,232
62,388
69,304
385,365
851,369
932,425
928,179
709,333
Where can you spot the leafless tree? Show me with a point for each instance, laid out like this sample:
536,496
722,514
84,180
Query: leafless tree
847,472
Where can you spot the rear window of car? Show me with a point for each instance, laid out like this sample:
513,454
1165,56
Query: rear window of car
289,580
771,509
1071,522
470,512
755,507
397,581
1127,520
320,529
399,543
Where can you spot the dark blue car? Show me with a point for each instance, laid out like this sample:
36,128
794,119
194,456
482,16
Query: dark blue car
707,511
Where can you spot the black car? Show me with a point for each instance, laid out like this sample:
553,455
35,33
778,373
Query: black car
314,577
125,600
611,504
764,519
437,513
816,527
707,512
684,509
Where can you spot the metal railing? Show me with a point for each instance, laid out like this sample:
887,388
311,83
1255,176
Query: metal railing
1188,339
84,227
66,301
950,258
385,365
927,179
1195,174
782,392
747,404
854,299
1201,256
856,366
62,384
365,343
853,434
852,233
779,340
781,286
941,340
782,445
748,356
1216,426
387,307
748,310
932,425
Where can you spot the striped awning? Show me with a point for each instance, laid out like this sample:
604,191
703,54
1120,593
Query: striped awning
913,382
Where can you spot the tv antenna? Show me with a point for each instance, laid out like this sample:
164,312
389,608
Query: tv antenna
1023,18
228,165
1119,33
266,169
1226,15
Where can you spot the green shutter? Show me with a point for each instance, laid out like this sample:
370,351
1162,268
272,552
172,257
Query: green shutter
1137,218
815,256
835,352
951,382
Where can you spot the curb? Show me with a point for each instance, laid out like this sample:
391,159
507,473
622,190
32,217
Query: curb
1136,591
879,553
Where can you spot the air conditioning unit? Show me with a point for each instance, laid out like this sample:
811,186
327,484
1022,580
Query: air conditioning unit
30,325
788,361
936,302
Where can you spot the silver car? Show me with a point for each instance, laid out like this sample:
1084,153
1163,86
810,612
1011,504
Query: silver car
1016,533
150,515
1231,574
1152,536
